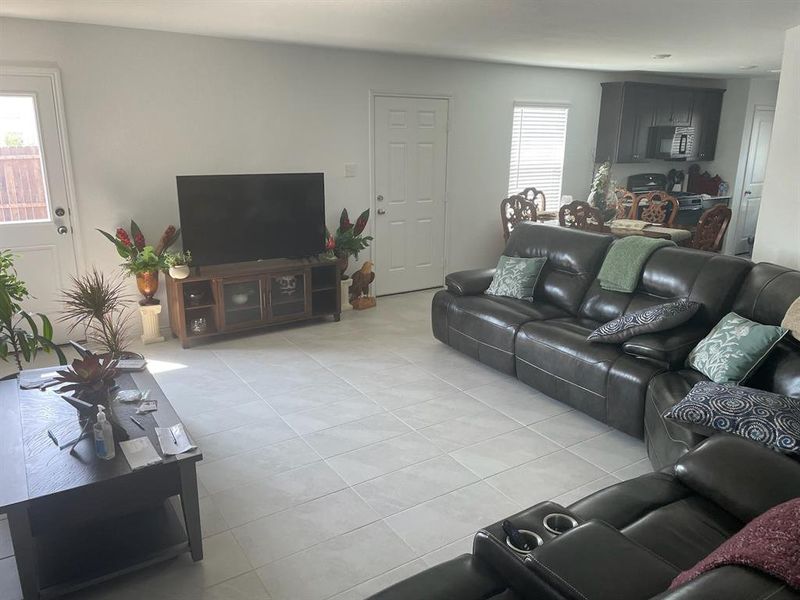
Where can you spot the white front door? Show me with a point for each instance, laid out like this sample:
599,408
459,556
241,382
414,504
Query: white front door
755,170
34,199
410,162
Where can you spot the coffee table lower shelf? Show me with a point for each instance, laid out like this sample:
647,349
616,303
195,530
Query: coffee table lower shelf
72,559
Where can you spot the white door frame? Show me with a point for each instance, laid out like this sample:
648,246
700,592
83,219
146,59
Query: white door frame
53,77
373,202
737,220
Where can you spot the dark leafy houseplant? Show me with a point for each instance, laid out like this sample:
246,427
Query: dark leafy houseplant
90,378
349,239
20,337
99,304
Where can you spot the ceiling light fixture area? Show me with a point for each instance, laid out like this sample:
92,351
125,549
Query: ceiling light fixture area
660,56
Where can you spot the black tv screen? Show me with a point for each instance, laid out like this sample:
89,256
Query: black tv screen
238,218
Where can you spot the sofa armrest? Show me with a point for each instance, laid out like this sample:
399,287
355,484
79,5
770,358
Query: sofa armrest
741,476
469,283
669,347
594,560
465,577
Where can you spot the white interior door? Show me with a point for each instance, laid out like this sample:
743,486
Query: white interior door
410,162
755,170
34,199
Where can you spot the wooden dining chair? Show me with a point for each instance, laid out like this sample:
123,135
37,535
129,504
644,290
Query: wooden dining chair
531,193
514,210
711,228
658,208
625,200
580,215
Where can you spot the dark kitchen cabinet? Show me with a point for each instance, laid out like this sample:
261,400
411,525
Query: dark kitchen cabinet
674,107
628,110
707,113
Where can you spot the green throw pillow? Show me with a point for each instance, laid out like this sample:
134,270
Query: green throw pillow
733,349
516,277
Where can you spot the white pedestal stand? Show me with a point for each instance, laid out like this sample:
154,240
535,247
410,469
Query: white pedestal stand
346,294
151,333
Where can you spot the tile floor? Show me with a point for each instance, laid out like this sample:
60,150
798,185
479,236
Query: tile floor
365,448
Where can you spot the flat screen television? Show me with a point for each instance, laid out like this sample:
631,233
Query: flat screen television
239,218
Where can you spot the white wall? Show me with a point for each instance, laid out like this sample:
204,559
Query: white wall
143,107
778,230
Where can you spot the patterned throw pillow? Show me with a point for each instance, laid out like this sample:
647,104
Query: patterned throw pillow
764,417
516,277
649,320
733,349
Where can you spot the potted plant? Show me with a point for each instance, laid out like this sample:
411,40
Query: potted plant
99,305
90,380
349,239
178,263
602,193
142,260
20,337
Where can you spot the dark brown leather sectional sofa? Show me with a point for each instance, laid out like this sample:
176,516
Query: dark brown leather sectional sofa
631,539
629,386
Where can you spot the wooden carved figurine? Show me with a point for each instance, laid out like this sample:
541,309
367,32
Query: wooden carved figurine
359,289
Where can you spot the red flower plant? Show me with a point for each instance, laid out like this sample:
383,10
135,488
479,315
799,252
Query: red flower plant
361,222
123,237
138,239
344,221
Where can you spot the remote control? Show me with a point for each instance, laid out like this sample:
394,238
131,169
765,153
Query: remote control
517,539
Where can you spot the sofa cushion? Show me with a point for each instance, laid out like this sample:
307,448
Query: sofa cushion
485,327
667,440
516,277
573,260
559,347
648,320
764,417
734,348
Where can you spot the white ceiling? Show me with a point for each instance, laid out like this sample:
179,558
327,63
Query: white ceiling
705,37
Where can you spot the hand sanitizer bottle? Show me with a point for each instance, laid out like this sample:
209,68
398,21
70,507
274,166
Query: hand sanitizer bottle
103,436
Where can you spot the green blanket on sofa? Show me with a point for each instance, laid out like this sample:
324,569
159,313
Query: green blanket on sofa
625,260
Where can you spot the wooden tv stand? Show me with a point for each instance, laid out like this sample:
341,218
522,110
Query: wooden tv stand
224,299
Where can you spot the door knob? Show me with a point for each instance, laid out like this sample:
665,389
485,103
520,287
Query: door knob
62,230
381,211
60,212
747,193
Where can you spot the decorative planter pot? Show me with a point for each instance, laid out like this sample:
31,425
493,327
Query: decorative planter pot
147,283
344,262
179,271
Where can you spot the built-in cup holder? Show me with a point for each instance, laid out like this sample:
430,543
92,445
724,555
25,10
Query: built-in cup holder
532,538
558,523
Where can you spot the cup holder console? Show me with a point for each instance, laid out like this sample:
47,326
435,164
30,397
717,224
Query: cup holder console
558,523
534,541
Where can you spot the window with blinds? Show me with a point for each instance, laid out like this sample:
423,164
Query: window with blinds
537,150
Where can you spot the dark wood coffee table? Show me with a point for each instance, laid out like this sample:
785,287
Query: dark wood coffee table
76,520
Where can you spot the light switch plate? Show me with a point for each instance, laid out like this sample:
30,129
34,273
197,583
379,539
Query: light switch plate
350,169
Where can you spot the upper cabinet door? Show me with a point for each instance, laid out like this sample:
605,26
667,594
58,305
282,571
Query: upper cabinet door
673,107
638,107
705,120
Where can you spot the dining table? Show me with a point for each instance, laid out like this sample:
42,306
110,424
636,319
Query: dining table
682,237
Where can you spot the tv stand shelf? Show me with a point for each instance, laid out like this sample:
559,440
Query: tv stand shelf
223,299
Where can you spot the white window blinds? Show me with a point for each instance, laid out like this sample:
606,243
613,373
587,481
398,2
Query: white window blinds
537,150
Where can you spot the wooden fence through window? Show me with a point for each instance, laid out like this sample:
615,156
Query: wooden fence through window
22,193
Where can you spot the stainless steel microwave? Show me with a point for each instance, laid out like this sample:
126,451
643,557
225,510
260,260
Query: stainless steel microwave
671,143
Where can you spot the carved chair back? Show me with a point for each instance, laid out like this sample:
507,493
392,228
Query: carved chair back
711,228
625,200
580,215
516,209
658,208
